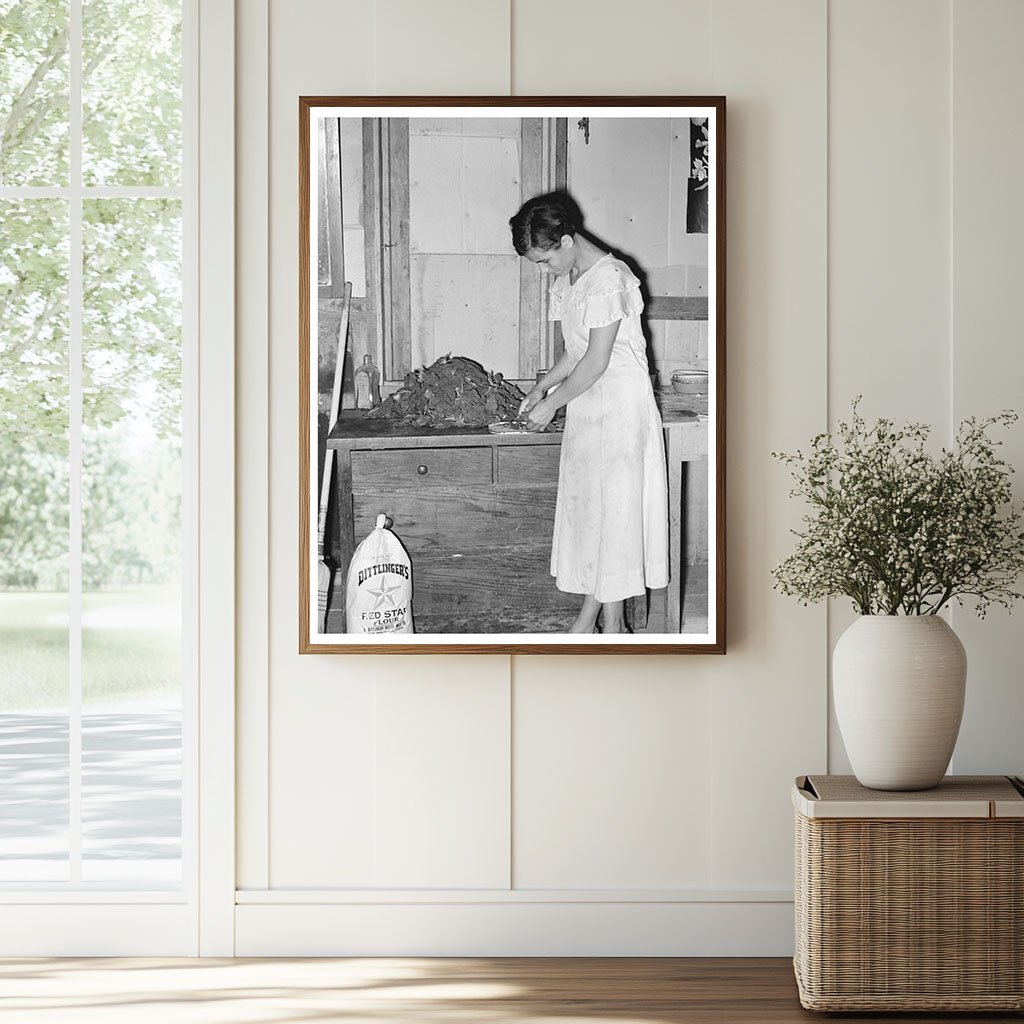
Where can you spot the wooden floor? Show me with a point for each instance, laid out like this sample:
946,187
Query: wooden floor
413,991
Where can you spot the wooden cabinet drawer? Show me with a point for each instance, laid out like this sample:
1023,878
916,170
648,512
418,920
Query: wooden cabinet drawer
528,465
413,468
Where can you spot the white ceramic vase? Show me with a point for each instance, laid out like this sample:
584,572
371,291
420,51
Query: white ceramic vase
898,685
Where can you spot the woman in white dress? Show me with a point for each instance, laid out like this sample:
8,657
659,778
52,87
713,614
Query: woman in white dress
611,517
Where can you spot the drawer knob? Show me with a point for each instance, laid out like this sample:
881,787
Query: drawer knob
422,470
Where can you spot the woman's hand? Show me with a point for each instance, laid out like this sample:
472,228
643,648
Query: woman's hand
540,415
535,395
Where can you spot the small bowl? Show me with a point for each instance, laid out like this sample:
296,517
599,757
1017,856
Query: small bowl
690,382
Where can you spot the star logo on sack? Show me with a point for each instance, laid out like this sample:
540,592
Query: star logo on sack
384,593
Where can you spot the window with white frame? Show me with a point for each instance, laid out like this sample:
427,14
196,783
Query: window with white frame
95,454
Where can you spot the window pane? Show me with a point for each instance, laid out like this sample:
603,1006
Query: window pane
33,92
33,540
131,92
131,541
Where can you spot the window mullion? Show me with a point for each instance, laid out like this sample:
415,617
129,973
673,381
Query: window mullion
75,302
95,191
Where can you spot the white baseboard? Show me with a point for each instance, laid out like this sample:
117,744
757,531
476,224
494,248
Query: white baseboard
604,928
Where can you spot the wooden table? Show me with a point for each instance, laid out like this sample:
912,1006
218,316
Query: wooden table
475,511
686,452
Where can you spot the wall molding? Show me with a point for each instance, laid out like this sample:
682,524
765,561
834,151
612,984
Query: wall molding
492,928
371,897
216,477
252,184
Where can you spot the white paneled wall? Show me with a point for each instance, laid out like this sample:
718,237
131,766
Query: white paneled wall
889,149
438,47
925,222
768,693
324,815
442,796
611,777
581,47
889,198
986,369
625,805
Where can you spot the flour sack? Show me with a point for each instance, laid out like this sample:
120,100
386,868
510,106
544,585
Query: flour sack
378,598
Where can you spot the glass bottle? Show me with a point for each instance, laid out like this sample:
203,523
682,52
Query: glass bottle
366,380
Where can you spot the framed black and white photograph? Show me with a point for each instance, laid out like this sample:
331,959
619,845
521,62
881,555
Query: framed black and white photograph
512,376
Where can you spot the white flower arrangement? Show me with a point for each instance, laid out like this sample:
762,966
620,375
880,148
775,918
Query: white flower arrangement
899,530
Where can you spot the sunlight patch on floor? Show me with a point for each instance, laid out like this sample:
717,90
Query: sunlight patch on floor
218,991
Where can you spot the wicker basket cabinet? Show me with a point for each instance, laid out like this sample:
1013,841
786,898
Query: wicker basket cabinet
910,901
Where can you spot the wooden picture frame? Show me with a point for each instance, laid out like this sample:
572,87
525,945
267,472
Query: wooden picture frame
405,256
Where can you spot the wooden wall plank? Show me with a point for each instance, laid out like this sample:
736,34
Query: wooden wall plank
559,160
677,307
354,245
468,306
335,287
492,190
561,153
369,342
397,296
462,190
352,203
323,241
481,127
352,170
532,304
435,193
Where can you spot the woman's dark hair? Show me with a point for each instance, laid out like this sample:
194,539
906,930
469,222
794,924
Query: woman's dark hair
543,220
